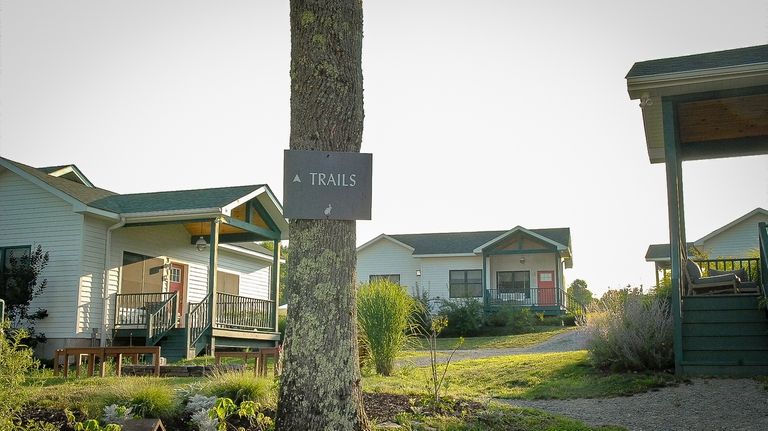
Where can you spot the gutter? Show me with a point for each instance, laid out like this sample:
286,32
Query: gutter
105,282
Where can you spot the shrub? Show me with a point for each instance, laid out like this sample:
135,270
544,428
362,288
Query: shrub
15,361
465,317
384,313
154,401
517,319
636,335
242,387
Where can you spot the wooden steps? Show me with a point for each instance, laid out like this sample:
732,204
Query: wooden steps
724,335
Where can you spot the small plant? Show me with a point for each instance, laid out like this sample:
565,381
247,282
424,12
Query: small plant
155,401
16,360
517,319
225,409
437,376
384,312
89,424
116,414
200,402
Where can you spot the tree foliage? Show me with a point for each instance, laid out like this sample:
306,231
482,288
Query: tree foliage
578,290
21,285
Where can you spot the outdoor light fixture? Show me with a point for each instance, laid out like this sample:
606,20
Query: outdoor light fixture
418,273
200,244
522,260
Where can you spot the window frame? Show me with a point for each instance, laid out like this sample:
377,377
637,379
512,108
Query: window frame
513,288
143,287
465,283
3,256
390,277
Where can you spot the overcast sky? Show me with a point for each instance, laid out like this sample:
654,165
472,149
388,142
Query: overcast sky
481,115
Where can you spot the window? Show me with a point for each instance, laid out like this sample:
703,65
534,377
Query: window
394,278
514,282
175,275
465,283
141,274
6,253
227,283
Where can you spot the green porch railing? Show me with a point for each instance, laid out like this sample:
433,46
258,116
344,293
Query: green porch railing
763,241
163,316
131,309
239,312
541,297
198,321
749,264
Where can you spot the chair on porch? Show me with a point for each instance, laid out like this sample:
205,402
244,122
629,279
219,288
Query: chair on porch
744,285
698,284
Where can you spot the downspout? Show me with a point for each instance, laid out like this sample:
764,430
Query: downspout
105,282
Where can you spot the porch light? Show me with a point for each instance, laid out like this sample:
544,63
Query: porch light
522,260
200,244
418,273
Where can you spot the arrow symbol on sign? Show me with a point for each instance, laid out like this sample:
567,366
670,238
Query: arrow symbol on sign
296,179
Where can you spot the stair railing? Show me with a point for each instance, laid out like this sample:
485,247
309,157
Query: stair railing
198,321
163,316
763,240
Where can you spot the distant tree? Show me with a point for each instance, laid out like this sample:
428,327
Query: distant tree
284,250
578,290
21,284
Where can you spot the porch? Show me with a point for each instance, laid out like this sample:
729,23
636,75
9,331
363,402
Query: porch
153,318
699,107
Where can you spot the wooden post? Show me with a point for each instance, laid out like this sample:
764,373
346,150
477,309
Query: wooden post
676,225
275,281
486,294
213,264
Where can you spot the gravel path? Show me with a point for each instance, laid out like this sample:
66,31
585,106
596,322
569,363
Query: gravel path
704,404
565,342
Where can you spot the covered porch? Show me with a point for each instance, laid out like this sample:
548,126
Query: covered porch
698,107
170,314
525,268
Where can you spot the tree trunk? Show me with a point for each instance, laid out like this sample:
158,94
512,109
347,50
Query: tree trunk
320,386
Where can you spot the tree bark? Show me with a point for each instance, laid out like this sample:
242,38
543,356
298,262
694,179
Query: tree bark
320,387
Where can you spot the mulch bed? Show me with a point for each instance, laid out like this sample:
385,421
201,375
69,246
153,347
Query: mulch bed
380,407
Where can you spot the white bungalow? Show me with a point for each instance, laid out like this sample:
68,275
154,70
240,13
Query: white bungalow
518,266
156,250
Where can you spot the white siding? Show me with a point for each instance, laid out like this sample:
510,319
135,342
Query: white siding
386,257
737,241
172,241
434,272
30,215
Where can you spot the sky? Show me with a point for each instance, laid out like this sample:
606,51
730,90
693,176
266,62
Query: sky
480,115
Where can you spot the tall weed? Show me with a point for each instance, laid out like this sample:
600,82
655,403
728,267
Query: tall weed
384,315
634,334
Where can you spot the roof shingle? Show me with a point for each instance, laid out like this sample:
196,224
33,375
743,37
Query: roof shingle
467,242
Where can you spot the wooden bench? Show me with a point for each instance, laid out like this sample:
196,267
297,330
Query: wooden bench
61,358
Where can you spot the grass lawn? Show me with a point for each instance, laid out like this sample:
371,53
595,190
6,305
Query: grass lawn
543,333
535,376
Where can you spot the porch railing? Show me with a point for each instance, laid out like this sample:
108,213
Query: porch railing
533,296
198,320
763,240
239,312
749,264
132,309
162,317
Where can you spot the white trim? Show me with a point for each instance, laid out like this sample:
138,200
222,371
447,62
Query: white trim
637,85
276,213
446,255
560,247
246,252
73,169
402,244
170,215
756,211
227,209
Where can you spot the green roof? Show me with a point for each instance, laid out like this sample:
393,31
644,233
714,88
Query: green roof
467,242
709,60
661,251
80,192
174,200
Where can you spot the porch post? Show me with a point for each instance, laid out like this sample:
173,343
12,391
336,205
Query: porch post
213,264
676,225
558,292
275,281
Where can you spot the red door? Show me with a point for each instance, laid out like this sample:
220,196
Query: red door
546,282
176,284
